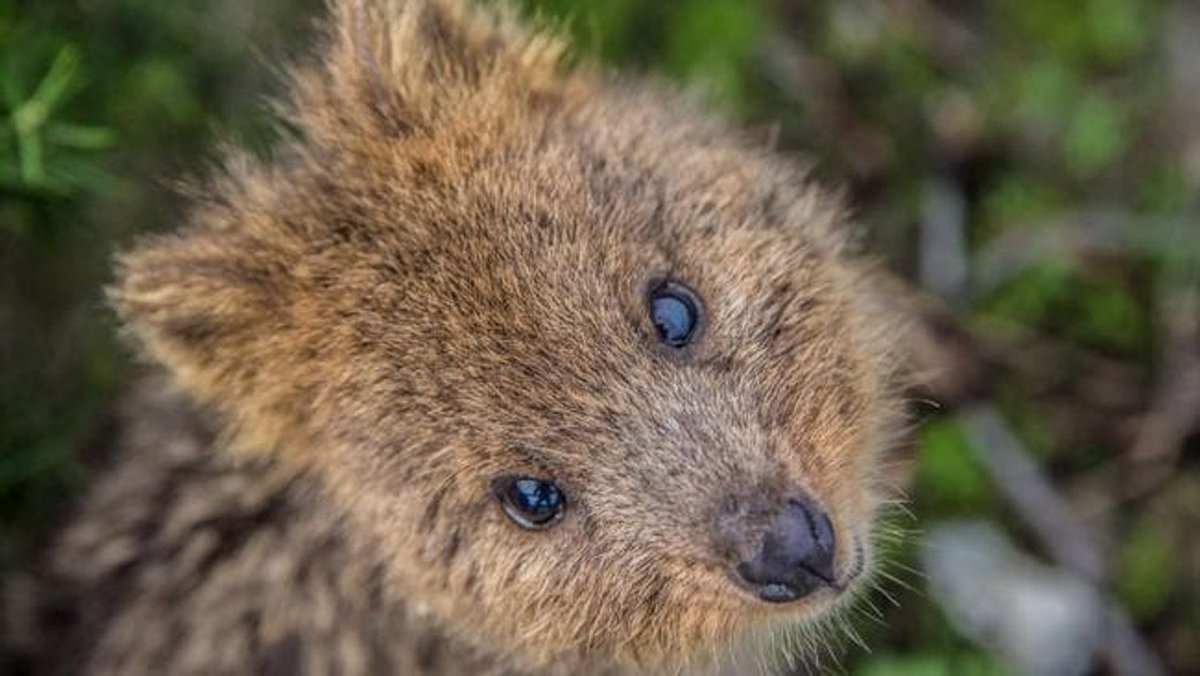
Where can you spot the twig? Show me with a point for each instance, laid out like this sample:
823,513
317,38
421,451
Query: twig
1183,81
1030,493
1075,238
943,259
1061,533
1175,406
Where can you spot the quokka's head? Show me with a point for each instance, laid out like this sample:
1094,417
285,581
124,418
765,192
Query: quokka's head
596,373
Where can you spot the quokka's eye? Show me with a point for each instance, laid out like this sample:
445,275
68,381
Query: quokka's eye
533,504
675,311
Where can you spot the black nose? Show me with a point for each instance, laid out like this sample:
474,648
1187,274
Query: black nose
796,555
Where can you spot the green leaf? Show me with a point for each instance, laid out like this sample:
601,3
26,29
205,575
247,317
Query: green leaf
1146,578
80,137
1095,137
1118,29
956,664
948,476
1045,91
711,44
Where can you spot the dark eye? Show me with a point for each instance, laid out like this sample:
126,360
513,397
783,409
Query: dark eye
675,310
531,503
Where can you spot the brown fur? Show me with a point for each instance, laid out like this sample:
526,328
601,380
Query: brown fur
443,281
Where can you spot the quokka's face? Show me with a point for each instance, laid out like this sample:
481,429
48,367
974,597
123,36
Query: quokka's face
596,374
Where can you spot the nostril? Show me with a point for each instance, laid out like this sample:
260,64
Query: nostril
820,557
795,556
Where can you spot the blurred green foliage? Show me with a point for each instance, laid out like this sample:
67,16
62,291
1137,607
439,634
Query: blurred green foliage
104,105
46,154
948,479
708,44
964,664
1039,113
1147,575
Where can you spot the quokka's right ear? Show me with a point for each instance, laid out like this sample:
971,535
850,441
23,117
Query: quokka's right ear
397,67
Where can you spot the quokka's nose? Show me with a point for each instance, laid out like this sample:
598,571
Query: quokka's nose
795,556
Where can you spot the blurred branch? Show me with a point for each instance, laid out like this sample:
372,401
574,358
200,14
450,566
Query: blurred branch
1063,535
943,243
1030,493
1068,239
1183,79
1175,405
1076,238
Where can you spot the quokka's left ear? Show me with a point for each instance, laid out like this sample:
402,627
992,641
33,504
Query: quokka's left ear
397,67
214,303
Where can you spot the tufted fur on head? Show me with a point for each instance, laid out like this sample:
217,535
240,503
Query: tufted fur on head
442,281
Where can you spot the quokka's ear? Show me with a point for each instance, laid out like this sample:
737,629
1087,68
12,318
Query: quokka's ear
216,304
399,66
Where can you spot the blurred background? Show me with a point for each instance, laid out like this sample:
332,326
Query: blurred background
1031,168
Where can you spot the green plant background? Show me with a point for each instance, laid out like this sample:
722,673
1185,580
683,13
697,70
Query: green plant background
1040,116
